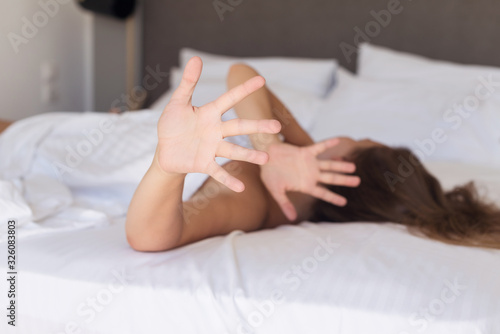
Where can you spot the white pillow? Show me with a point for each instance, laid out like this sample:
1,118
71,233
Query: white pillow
174,80
382,63
475,107
405,113
302,104
315,76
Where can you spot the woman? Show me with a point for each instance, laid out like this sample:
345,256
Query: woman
189,139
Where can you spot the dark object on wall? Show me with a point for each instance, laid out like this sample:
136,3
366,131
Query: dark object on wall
116,8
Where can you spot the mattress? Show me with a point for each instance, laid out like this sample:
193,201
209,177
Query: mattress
312,277
77,273
318,278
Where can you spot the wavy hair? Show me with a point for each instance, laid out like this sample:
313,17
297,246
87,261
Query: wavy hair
395,187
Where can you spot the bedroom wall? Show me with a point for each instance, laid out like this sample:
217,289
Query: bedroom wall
116,50
109,61
462,31
48,39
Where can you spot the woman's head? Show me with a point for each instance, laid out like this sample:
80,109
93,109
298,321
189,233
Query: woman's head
395,187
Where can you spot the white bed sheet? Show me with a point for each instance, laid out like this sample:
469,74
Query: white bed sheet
316,278
77,271
377,279
49,185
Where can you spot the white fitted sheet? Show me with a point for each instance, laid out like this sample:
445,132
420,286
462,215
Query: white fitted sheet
372,278
375,278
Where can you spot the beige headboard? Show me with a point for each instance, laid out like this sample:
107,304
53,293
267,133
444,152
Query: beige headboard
465,31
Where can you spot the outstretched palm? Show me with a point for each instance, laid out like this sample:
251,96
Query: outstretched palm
293,168
189,138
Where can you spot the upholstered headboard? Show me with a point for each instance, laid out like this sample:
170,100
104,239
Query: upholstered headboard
463,31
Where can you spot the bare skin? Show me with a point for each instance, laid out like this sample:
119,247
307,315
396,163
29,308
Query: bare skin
273,195
293,165
190,138
4,125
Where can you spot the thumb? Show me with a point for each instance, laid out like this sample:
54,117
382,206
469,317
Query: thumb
190,77
323,145
285,205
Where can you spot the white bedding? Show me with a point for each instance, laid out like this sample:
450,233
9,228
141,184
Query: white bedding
77,274
311,278
377,279
63,179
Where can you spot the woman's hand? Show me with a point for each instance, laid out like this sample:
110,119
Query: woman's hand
346,147
294,168
189,138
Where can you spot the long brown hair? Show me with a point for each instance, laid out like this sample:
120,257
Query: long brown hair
395,187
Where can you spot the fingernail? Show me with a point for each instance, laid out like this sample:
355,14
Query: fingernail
277,126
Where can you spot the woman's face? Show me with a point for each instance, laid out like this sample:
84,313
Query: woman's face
346,147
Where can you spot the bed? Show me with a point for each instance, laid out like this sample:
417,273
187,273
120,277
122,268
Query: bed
69,182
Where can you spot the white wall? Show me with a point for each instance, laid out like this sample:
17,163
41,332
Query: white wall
86,51
61,41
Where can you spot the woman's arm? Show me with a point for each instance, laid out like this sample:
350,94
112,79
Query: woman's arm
291,130
155,216
189,139
290,168
265,105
